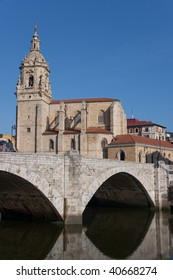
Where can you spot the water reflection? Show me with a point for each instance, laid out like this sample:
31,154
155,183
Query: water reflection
27,240
106,234
117,233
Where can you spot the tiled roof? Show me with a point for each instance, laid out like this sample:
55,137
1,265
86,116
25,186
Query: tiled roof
87,100
54,132
97,130
132,139
50,132
136,122
72,131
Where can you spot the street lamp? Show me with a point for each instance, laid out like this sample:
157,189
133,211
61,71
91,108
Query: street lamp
13,128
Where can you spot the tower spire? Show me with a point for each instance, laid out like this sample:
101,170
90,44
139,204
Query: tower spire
35,29
35,40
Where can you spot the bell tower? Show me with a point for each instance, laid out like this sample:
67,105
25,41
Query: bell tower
34,95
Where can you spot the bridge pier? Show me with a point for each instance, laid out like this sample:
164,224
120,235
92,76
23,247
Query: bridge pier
73,220
164,175
72,215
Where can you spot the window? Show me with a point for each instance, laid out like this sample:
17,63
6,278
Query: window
122,155
28,129
101,117
31,81
73,144
104,143
51,145
136,130
147,158
140,157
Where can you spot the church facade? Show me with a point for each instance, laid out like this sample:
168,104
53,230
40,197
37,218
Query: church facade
86,125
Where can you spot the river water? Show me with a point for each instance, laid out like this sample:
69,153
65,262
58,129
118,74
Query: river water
107,233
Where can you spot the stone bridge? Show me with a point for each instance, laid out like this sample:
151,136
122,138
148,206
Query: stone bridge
59,187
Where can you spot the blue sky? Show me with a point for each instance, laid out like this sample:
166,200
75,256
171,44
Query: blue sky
95,48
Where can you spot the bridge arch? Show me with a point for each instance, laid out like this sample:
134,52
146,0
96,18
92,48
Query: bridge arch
25,193
120,186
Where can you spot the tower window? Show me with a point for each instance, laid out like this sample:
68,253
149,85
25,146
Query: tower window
31,81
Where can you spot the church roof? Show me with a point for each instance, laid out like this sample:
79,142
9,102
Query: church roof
87,100
134,139
35,56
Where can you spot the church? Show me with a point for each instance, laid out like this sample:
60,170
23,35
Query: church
86,125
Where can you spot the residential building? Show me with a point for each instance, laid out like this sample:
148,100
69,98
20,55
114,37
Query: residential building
146,129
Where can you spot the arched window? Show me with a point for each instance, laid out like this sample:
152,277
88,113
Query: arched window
140,156
73,144
31,81
147,158
51,145
104,143
155,157
122,155
101,118
152,158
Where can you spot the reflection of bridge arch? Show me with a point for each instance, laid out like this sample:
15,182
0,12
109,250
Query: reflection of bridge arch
118,233
120,186
24,193
27,240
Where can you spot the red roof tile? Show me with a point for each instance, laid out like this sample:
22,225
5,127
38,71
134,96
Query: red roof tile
97,130
72,131
132,139
136,122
